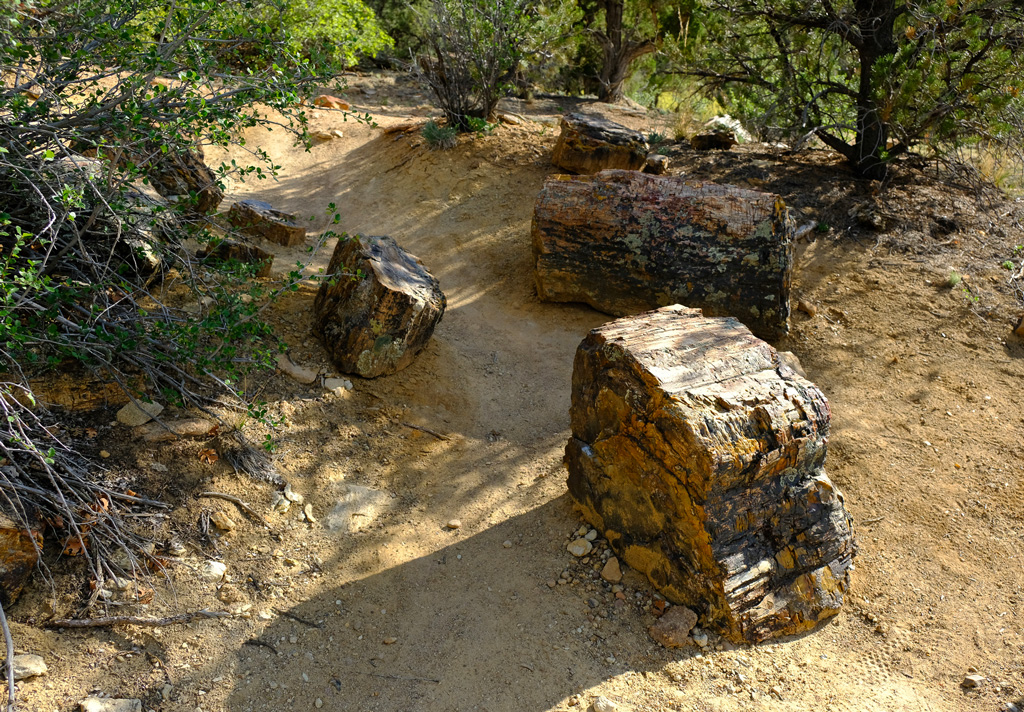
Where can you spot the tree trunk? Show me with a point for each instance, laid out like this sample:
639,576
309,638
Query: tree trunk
618,53
876,23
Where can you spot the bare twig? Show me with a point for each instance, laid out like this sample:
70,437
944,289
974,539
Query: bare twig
299,619
9,642
404,678
134,620
238,503
428,431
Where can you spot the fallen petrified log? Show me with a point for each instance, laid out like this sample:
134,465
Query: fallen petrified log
235,251
588,144
254,217
19,554
184,174
700,457
625,242
378,309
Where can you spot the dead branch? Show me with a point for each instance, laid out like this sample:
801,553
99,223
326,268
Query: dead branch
134,620
238,503
9,642
428,431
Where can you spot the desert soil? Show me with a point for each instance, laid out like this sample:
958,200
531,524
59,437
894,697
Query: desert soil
924,379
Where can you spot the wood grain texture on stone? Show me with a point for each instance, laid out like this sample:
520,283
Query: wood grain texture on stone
700,457
19,554
588,144
626,242
185,174
378,309
254,217
235,251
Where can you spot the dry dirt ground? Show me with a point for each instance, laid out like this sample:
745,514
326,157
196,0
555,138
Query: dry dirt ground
925,382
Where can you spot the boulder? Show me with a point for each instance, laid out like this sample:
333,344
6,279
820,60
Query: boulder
184,174
672,630
700,458
588,144
254,217
657,164
235,251
625,242
19,554
378,308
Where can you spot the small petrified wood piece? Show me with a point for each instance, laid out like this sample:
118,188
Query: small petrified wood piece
378,309
185,174
625,242
715,141
254,217
235,251
19,554
700,457
588,144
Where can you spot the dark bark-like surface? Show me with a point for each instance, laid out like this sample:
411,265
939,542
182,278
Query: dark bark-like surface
234,251
379,308
19,554
625,242
588,144
700,457
185,174
254,217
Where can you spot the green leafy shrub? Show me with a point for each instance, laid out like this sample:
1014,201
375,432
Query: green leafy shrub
440,138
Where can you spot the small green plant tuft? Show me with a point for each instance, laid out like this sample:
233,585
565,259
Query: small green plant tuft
440,138
1008,264
656,138
954,278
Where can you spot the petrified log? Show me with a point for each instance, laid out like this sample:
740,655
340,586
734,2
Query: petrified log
657,164
185,174
378,309
700,457
716,141
588,144
19,554
625,242
234,251
254,217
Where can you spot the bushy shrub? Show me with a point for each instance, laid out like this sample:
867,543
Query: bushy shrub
440,138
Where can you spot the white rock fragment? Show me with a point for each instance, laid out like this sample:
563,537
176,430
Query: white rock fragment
299,373
580,547
603,704
98,704
138,413
213,570
26,666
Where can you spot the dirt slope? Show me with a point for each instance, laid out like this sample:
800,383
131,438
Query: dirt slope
407,614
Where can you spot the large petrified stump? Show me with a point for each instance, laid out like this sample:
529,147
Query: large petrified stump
254,217
700,457
19,554
185,174
588,144
378,309
625,242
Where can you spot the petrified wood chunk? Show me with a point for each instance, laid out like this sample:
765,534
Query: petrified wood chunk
234,251
716,141
588,144
700,457
378,309
19,553
625,242
254,217
185,174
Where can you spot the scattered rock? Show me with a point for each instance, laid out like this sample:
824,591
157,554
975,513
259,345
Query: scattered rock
104,454
657,164
291,495
588,144
590,535
807,308
626,242
376,324
254,217
971,682
715,141
699,637
603,704
1019,329
612,572
281,503
769,549
673,628
138,413
213,570
390,641
454,523
230,594
326,101
235,251
299,373
28,665
334,384
109,704
792,361
507,544
172,429
580,547
307,512
356,508
222,521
